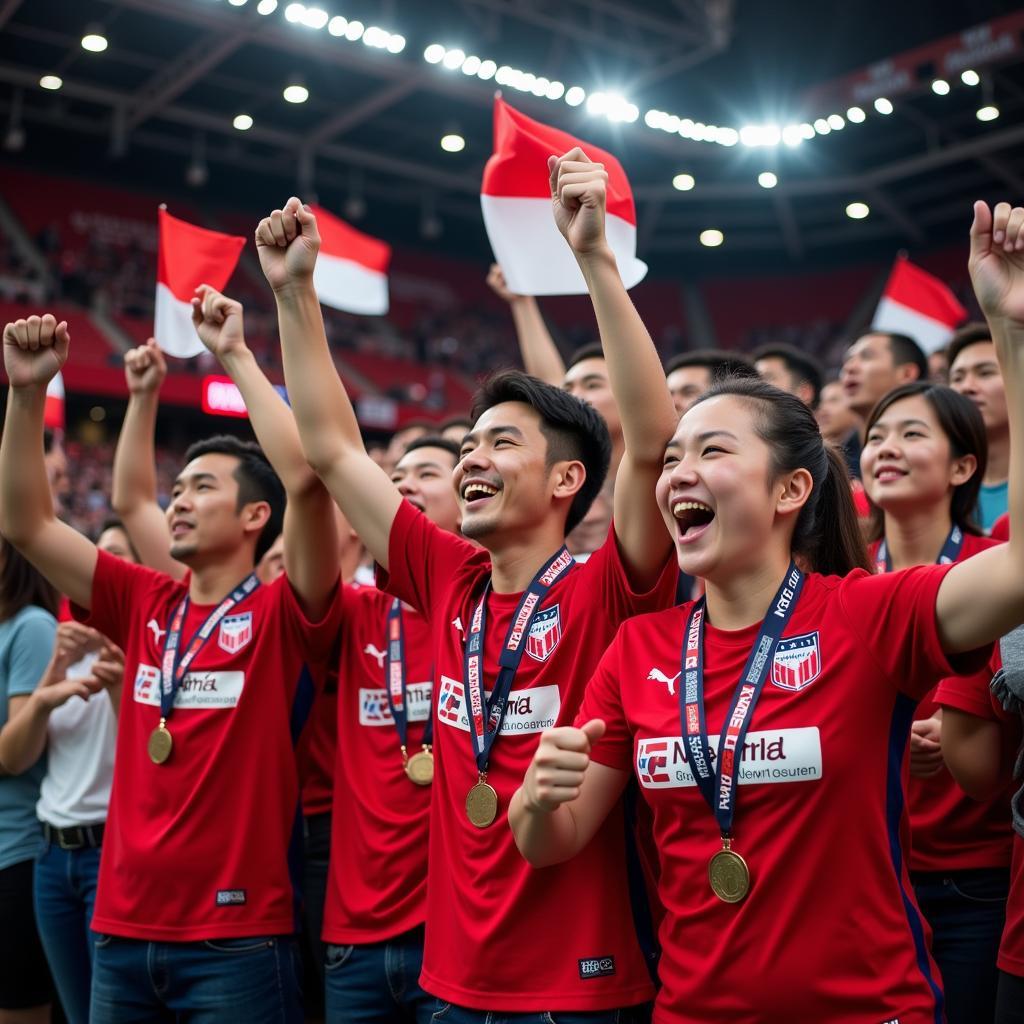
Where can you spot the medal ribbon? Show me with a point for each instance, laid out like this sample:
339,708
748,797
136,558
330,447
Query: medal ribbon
174,668
485,716
718,786
396,676
950,551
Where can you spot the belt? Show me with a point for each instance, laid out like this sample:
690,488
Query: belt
79,837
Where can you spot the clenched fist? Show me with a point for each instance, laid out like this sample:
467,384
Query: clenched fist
997,263
35,349
578,195
287,242
145,368
218,321
559,765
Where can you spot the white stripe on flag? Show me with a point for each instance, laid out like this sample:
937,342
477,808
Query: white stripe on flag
173,328
894,316
350,286
535,257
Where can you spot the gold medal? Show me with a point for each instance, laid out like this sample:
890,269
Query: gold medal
420,767
729,874
161,743
482,803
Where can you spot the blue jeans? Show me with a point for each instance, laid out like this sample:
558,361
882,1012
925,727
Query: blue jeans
966,911
222,981
65,893
450,1014
378,983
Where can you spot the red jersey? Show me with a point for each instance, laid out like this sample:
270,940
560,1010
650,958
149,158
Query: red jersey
200,847
830,930
502,935
377,884
972,694
317,749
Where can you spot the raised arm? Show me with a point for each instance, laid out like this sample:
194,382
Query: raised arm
983,597
34,351
288,242
310,526
635,373
536,346
133,495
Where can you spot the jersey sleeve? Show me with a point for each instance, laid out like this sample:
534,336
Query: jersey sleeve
422,559
603,699
30,650
609,582
117,590
973,694
894,616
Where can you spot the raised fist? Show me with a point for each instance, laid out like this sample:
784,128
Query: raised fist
35,349
145,368
287,242
578,195
498,284
218,321
997,262
559,765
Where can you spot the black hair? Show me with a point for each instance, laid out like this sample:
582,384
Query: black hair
827,537
433,441
22,584
592,350
905,351
963,426
801,366
573,429
455,421
114,523
722,364
969,334
256,479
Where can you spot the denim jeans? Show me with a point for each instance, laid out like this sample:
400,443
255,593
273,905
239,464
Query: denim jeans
966,911
378,983
1010,1001
65,893
251,980
447,1013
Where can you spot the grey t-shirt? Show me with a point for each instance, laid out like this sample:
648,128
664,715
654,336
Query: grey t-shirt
26,644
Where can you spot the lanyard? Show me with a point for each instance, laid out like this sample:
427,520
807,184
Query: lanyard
396,678
175,668
718,786
486,715
950,551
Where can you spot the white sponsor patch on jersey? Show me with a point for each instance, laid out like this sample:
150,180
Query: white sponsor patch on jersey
375,710
197,690
532,710
775,755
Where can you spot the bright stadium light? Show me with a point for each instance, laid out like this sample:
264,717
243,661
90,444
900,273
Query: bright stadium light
883,106
712,238
94,41
554,90
836,123
987,113
51,82
822,127
243,122
487,70
354,31
453,143
767,179
396,43
792,135
857,211
434,53
574,95
855,115
940,87
337,25
471,65
315,17
970,77
453,59
296,93
294,13
266,7
683,182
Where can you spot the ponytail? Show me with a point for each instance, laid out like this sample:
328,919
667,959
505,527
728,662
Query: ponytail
827,537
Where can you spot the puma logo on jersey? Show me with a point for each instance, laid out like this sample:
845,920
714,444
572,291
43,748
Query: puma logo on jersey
657,676
157,631
371,650
457,623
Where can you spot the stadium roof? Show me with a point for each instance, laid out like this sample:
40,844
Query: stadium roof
159,104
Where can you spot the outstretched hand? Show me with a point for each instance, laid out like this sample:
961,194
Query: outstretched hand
287,243
35,350
559,765
578,195
218,321
145,368
997,262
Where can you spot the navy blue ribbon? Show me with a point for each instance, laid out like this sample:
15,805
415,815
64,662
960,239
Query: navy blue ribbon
396,678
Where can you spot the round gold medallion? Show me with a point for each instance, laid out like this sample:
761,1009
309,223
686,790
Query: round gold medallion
420,768
729,876
160,744
482,805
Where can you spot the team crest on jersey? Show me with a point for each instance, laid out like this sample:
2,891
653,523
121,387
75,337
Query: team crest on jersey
235,632
652,761
545,632
147,684
797,661
449,703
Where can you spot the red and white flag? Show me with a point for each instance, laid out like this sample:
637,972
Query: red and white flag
918,304
189,256
53,410
352,268
516,201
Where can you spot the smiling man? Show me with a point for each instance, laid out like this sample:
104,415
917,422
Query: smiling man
517,627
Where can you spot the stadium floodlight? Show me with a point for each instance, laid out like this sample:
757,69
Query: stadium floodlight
453,143
554,90
822,127
296,93
354,31
396,43
94,40
760,135
970,77
807,130
987,113
487,70
51,82
266,7
727,136
597,103
683,182
575,95
857,211
294,13
434,53
767,179
453,59
712,238
883,105
337,25
836,122
471,65
243,122
940,87
315,17
792,135
238,3
855,115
